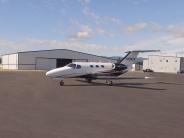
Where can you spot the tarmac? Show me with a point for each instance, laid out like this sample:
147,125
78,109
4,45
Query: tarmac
34,106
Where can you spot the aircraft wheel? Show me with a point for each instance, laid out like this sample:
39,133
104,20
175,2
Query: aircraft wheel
89,80
110,83
61,83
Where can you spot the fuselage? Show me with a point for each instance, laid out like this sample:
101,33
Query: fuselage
87,70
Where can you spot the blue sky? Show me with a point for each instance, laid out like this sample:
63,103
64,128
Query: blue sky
103,27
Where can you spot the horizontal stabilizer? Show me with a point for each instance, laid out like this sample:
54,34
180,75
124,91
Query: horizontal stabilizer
142,51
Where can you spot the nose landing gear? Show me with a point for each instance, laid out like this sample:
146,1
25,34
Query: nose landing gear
61,83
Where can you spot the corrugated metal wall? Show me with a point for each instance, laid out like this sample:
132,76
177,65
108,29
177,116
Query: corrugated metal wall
45,60
10,61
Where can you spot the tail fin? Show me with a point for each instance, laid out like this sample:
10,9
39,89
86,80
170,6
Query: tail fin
131,56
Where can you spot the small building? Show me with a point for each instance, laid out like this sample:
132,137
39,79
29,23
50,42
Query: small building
167,64
138,65
47,59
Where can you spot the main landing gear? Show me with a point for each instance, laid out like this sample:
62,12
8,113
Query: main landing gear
61,83
89,80
109,82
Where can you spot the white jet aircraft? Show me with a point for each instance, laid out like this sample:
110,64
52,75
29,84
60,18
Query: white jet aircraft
96,70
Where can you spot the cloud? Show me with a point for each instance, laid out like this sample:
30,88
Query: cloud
176,30
175,41
130,29
7,44
97,49
11,46
85,33
78,31
100,19
141,26
156,28
165,42
84,2
169,38
103,32
36,44
65,44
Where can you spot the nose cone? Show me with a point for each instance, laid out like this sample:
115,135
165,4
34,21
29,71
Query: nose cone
52,73
49,73
56,72
59,72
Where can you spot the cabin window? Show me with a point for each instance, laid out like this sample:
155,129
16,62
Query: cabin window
91,66
72,65
78,67
97,66
102,66
167,60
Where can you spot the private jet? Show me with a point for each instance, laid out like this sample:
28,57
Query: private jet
96,70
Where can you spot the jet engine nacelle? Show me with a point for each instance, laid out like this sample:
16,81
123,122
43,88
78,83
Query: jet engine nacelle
120,67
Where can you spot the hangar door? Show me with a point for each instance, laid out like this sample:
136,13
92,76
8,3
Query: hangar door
45,64
62,62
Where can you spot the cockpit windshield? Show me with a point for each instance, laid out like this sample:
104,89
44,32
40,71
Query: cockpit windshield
72,65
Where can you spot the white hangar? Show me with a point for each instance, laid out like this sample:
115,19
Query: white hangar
46,59
166,64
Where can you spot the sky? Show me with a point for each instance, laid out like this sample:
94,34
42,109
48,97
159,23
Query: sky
101,27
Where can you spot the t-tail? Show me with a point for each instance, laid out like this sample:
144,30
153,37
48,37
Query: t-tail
131,57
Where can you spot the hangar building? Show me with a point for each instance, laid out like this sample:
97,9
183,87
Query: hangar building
167,64
47,59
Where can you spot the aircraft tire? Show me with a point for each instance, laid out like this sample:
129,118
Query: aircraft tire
110,83
89,80
61,83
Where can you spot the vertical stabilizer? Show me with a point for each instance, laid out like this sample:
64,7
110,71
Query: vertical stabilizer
131,57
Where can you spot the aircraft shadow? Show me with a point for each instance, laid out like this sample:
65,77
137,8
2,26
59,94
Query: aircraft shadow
125,85
170,83
137,86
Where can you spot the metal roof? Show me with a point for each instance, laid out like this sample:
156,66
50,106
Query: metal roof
55,50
